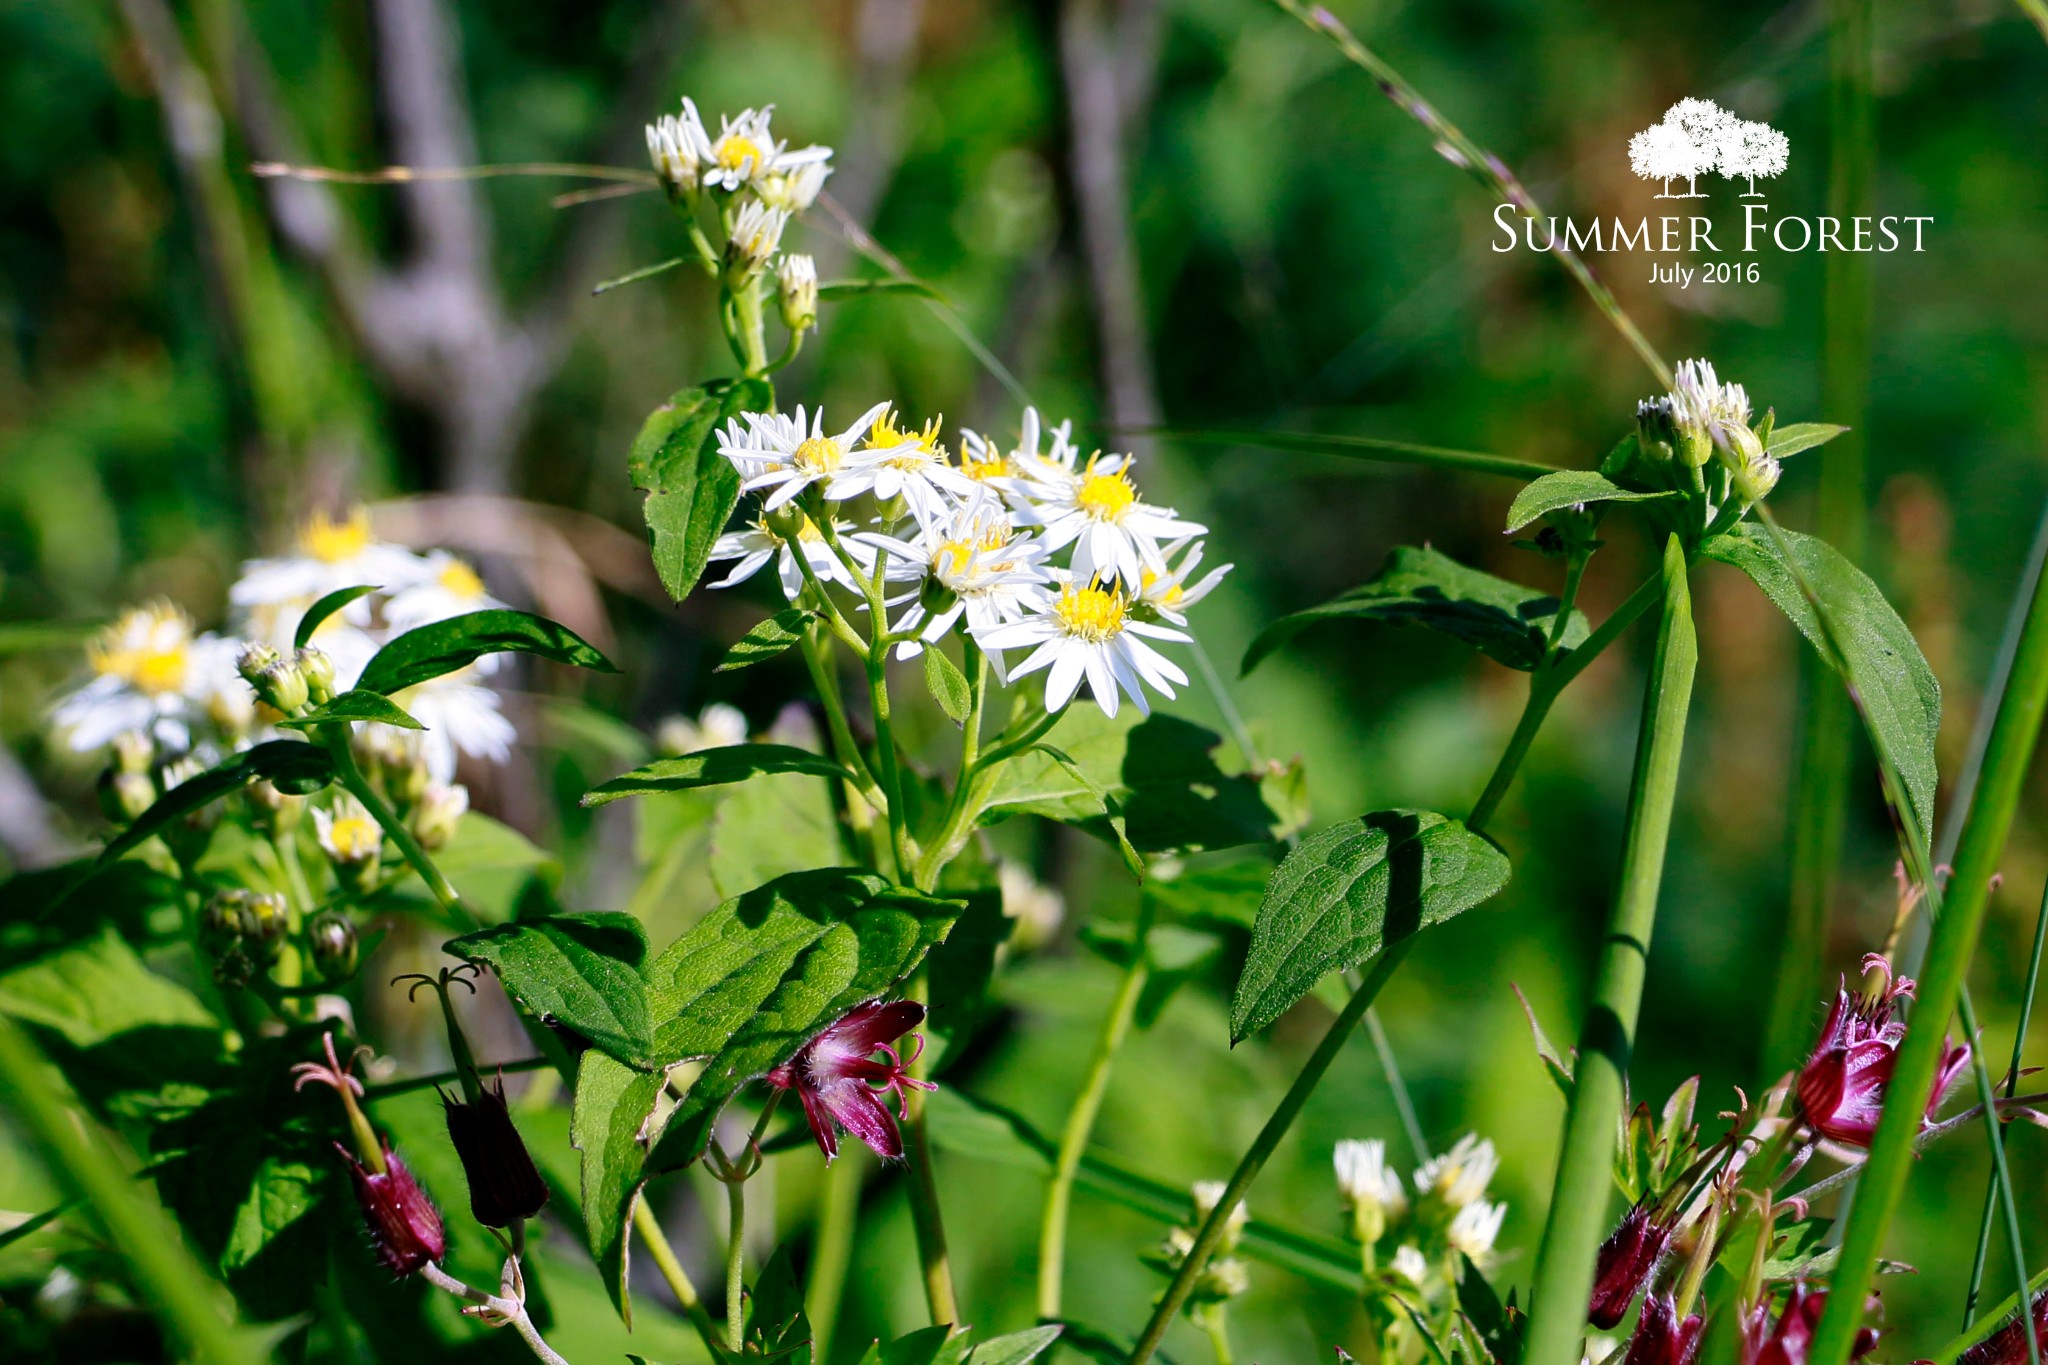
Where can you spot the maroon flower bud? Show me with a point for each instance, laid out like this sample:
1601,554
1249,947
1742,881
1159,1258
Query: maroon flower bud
1628,1258
1787,1341
2008,1345
504,1187
1841,1090
841,1084
405,1228
1661,1338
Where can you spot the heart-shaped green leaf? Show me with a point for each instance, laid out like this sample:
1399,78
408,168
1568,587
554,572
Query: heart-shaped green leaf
1347,893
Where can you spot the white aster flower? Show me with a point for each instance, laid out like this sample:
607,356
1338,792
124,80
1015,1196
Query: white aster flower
796,291
1410,1265
348,836
447,587
1459,1176
1089,632
1207,1195
759,543
779,456
1166,589
1474,1229
716,727
677,146
1371,1188
1700,401
461,719
755,237
152,674
990,569
329,555
896,462
1096,509
983,458
796,187
745,150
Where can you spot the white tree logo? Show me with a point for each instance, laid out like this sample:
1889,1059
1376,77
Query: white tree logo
1698,136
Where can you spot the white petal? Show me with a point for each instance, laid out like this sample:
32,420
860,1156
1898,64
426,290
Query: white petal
1064,679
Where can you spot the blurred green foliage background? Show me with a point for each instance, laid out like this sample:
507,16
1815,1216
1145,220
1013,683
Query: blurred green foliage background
192,358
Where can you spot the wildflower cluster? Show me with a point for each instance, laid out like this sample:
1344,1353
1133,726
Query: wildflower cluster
1041,558
1411,1247
1701,442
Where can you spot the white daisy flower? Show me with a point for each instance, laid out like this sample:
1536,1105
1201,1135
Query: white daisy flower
1089,632
1410,1264
984,460
347,833
780,456
1699,400
755,237
1474,1229
796,187
758,544
745,150
462,719
1366,1181
330,554
991,569
1096,509
897,463
152,675
677,147
448,587
716,727
1460,1176
1166,590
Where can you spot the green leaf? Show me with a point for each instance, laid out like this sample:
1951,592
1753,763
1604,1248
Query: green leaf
765,641
1887,674
582,971
1361,448
842,289
324,608
1797,436
358,704
1349,891
1110,809
714,768
430,651
767,971
611,1126
769,827
95,991
926,1346
1504,621
1568,488
947,684
777,1328
1017,1347
288,764
282,1192
691,488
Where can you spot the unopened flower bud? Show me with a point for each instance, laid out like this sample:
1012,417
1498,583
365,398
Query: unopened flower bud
188,835
1208,1194
222,923
796,291
504,1187
405,1228
673,150
436,815
265,920
253,660
318,671
331,937
1628,1259
281,686
1663,1338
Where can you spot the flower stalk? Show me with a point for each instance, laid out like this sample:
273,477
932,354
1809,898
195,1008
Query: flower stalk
1579,1201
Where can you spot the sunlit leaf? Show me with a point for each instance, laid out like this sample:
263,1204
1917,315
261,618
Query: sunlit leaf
691,488
579,970
430,651
1568,488
714,768
767,640
357,705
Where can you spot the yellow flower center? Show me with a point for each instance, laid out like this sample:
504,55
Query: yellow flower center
736,150
147,648
806,529
1090,613
993,467
355,838
1146,578
461,581
924,444
333,542
818,455
1106,497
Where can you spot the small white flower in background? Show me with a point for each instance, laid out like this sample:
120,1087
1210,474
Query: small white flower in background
780,456
1165,589
348,836
758,544
796,291
329,554
435,818
1037,908
991,569
447,586
677,145
1208,1194
796,188
461,719
1461,1175
1371,1189
1025,459
1474,1229
755,238
1096,508
1089,632
152,674
894,462
716,727
1410,1265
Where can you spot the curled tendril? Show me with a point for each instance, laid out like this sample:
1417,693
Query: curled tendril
463,974
335,1074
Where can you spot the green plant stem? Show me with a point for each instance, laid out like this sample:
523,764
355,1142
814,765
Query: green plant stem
1559,668
194,1307
1216,1325
1953,942
926,1218
2012,1085
735,1265
1579,1201
648,1228
1059,1190
1403,1105
832,1247
335,738
1821,790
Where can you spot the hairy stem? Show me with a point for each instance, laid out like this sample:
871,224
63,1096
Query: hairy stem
1059,1191
1579,1201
